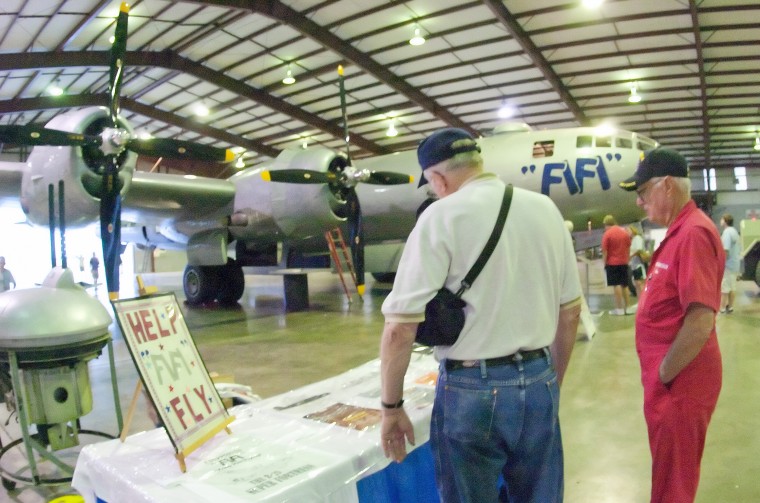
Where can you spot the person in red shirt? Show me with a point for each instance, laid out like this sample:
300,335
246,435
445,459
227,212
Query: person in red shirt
681,369
616,250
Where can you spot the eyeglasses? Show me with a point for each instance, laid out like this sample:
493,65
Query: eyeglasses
643,190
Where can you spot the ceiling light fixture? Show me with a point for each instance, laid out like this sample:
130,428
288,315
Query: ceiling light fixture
592,3
634,97
604,129
55,89
757,143
289,79
506,111
201,110
417,39
392,131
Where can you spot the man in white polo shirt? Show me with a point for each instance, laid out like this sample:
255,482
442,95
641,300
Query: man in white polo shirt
496,406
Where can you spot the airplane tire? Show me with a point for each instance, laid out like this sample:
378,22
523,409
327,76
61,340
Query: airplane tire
201,283
384,277
232,283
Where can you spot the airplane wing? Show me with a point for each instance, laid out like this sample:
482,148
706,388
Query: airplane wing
156,197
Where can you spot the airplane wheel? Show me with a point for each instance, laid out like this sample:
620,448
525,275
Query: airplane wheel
384,277
232,283
201,283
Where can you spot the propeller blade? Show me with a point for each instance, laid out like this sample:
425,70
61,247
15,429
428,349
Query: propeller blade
356,237
388,178
118,49
343,112
298,176
34,135
110,225
110,192
179,149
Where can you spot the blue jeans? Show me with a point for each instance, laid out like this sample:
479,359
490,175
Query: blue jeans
498,421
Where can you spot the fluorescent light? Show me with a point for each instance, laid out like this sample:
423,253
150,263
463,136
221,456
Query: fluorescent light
417,39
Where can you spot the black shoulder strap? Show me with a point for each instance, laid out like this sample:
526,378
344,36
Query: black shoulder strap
491,244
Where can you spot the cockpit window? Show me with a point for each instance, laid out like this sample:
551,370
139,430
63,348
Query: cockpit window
543,148
584,141
645,145
603,141
623,142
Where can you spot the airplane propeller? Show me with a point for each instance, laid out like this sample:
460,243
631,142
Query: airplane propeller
111,141
105,150
343,183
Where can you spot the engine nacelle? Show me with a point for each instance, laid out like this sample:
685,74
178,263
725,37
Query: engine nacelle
79,168
268,212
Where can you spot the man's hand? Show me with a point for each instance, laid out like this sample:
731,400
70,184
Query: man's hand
694,333
395,431
395,352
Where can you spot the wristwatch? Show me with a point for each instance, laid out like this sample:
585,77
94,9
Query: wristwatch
396,405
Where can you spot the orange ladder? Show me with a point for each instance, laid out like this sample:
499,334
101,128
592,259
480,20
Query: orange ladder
334,238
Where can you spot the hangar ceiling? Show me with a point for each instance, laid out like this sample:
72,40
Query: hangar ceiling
556,63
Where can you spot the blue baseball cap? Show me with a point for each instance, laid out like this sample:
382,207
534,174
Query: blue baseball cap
656,163
437,148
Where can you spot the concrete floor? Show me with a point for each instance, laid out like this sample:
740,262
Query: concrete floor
606,450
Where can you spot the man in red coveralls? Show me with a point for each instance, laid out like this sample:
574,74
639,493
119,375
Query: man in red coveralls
675,325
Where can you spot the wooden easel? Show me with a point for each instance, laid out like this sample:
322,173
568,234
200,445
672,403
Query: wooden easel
148,335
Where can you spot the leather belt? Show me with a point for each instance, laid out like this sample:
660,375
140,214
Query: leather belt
530,354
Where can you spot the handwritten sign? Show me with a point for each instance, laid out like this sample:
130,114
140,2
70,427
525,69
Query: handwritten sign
171,370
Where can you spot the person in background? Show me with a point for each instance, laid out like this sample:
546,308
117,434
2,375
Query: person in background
638,259
6,277
730,239
95,268
681,369
496,406
616,246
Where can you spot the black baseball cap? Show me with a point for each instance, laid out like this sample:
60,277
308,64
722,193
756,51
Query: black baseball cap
656,163
437,148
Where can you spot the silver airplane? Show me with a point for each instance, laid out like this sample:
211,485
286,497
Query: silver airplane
250,219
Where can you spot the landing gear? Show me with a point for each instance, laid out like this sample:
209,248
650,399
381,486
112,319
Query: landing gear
232,283
204,284
200,283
